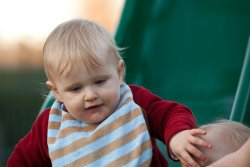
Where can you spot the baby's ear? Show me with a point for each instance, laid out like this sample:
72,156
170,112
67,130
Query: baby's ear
121,69
54,89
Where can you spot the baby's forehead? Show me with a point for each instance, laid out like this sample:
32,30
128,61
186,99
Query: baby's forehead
213,127
216,131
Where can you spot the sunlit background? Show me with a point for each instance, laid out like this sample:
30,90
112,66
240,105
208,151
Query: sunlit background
24,26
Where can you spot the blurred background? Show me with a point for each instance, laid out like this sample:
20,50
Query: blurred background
190,51
24,26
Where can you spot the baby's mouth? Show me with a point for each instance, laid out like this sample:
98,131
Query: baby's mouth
93,108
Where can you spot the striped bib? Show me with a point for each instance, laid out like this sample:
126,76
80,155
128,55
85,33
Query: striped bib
120,140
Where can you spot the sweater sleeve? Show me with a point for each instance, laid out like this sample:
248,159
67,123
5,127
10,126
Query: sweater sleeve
165,118
32,149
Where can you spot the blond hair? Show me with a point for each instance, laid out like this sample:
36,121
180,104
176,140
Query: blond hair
226,136
75,43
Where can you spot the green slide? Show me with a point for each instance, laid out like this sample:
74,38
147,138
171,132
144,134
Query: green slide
189,51
241,106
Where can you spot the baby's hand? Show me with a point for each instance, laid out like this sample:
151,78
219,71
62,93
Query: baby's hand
183,146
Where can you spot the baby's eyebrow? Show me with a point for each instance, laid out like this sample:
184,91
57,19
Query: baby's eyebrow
100,76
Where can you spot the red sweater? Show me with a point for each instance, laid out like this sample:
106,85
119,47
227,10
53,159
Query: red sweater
165,119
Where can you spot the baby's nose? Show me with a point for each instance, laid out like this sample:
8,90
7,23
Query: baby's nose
90,94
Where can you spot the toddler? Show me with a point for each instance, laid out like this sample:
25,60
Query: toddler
97,119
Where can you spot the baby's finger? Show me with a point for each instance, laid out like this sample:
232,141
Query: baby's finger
188,159
197,153
198,141
195,132
183,163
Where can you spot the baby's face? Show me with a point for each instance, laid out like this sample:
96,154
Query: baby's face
91,95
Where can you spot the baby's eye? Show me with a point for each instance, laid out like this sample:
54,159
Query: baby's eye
75,89
101,81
